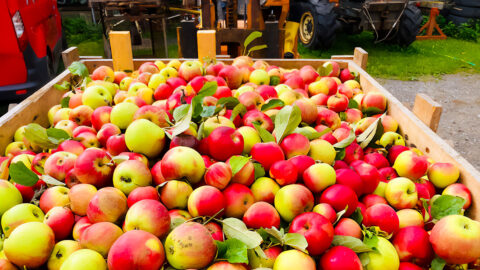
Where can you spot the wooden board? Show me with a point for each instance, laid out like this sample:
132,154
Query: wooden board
417,134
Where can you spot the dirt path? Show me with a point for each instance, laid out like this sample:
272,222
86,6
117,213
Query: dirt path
459,94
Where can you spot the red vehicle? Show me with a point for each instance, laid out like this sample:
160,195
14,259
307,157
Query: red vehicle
31,34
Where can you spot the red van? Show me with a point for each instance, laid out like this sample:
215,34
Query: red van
30,46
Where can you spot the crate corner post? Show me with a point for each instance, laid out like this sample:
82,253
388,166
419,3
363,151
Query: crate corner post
206,45
122,54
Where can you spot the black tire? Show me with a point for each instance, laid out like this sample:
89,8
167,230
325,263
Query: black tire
457,19
468,3
323,29
467,12
409,26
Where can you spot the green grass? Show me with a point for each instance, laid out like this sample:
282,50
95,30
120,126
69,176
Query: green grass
93,48
421,58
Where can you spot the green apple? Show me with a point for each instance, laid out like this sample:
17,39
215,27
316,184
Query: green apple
384,257
96,96
122,114
214,122
30,244
134,87
168,72
10,196
380,190
131,174
52,111
27,159
19,214
391,138
110,86
19,134
156,80
250,138
401,193
259,77
322,150
84,259
61,251
144,137
243,89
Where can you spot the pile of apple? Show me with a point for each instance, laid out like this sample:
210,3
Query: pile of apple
242,166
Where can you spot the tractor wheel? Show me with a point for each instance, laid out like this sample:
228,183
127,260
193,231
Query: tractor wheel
317,25
409,27
466,12
457,19
468,3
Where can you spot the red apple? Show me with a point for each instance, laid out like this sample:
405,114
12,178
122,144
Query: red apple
218,175
348,227
383,216
413,245
60,220
261,215
225,142
206,201
142,193
317,230
258,116
284,172
267,154
340,257
94,166
238,198
339,197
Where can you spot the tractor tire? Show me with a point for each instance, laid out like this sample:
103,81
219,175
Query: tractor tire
318,24
466,12
409,26
468,3
457,19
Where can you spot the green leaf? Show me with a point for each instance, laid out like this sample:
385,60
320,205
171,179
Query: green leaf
259,170
52,181
447,205
233,250
229,102
56,135
276,234
65,86
370,239
340,154
208,89
208,111
343,116
286,121
236,229
310,132
79,69
200,132
357,216
272,103
340,215
64,102
38,135
20,174
296,241
347,141
351,242
426,216
352,104
264,134
372,111
254,35
183,124
375,130
257,48
438,263
119,159
365,260
237,163
180,112
239,109
274,80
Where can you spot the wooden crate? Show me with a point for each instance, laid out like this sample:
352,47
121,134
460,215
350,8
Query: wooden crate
416,132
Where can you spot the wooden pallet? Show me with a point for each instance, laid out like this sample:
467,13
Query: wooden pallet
414,127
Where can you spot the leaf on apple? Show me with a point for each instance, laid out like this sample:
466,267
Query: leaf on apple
235,229
20,174
119,159
370,238
183,124
371,111
259,170
372,133
232,250
296,240
286,121
200,132
272,235
272,103
274,80
239,109
438,263
208,111
446,205
340,214
52,181
340,154
45,138
426,215
208,89
264,134
65,86
237,163
79,69
311,134
357,216
180,112
351,242
56,135
343,116
352,104
64,102
365,260
347,141
229,102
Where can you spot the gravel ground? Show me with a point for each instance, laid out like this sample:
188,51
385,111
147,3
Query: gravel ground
459,94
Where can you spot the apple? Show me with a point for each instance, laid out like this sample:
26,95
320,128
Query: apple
348,227
246,175
163,91
369,175
218,175
455,239
319,176
224,142
108,204
409,164
178,217
340,197
238,198
116,144
213,122
58,164
71,146
20,214
29,245
214,69
442,174
10,195
148,215
295,144
401,193
340,257
383,257
100,237
94,166
54,196
81,115
96,96
251,100
326,210
409,217
183,162
174,194
61,251
61,220
79,227
250,138
103,73
346,75
413,245
322,150
67,126
372,199
261,215
259,77
190,245
215,230
375,102
206,201
294,259
459,190
82,129
337,103
152,113
267,92
79,196
227,266
267,154
122,114
264,189
232,75
317,230
350,178
142,193
284,172
131,174
61,114
106,132
189,70
292,200
157,176
145,137
331,69
84,259
383,216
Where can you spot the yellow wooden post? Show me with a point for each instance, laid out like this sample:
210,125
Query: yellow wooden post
207,46
122,54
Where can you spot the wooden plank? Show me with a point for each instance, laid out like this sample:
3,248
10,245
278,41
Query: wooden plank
342,57
419,135
70,55
206,43
33,109
360,57
121,50
427,110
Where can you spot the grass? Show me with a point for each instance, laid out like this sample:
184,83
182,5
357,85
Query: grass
421,58
93,48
